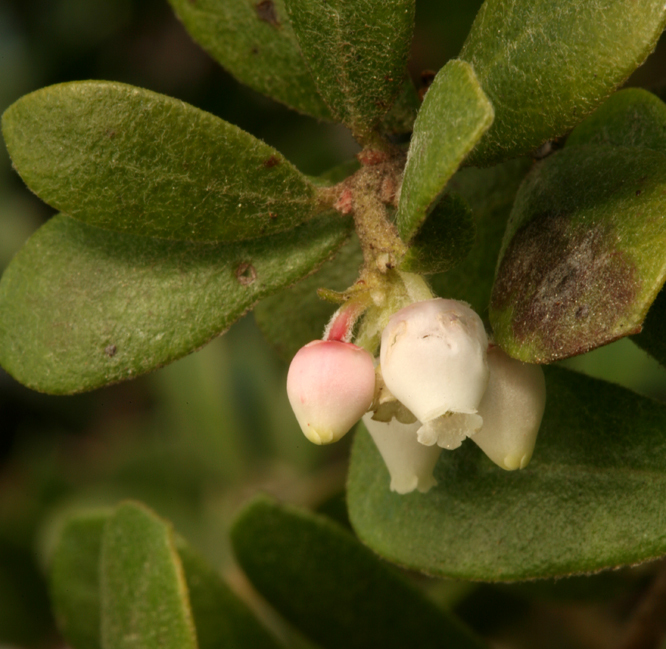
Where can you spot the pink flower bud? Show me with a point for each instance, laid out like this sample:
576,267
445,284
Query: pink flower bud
433,358
330,385
409,463
512,409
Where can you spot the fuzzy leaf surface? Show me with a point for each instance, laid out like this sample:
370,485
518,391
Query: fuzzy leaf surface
82,307
221,619
255,42
144,599
75,579
631,117
335,590
591,498
357,52
444,240
297,316
490,192
454,115
131,160
545,67
584,254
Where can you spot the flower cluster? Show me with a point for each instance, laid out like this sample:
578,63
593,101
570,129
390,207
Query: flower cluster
437,382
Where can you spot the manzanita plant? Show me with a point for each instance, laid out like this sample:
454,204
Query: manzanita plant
509,215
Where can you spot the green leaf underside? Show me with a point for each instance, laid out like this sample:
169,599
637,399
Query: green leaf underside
332,588
545,67
254,41
75,579
221,619
297,316
357,52
444,240
633,117
82,307
144,600
130,160
584,252
591,498
454,115
490,192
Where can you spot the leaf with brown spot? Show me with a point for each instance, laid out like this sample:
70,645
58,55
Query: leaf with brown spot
584,254
81,307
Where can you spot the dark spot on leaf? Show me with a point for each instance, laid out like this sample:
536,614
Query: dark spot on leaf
192,2
273,161
638,192
246,274
110,134
266,12
569,286
254,50
110,351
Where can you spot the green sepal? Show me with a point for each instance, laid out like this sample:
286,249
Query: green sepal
545,67
584,254
332,588
131,160
592,497
82,307
454,115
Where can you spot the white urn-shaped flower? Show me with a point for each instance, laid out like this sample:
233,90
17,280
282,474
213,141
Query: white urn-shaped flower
433,359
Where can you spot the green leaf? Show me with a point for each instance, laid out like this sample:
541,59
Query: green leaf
357,52
130,160
546,67
81,307
652,338
254,40
221,619
144,600
297,316
583,256
332,588
444,240
454,115
592,497
632,117
400,117
490,192
75,579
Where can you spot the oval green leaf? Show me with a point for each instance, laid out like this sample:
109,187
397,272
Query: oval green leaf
130,160
81,307
254,40
144,598
357,52
336,591
297,316
444,240
592,497
454,115
545,68
584,254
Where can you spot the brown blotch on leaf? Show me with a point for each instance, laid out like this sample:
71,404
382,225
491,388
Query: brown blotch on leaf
273,161
569,286
246,274
266,12
110,350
